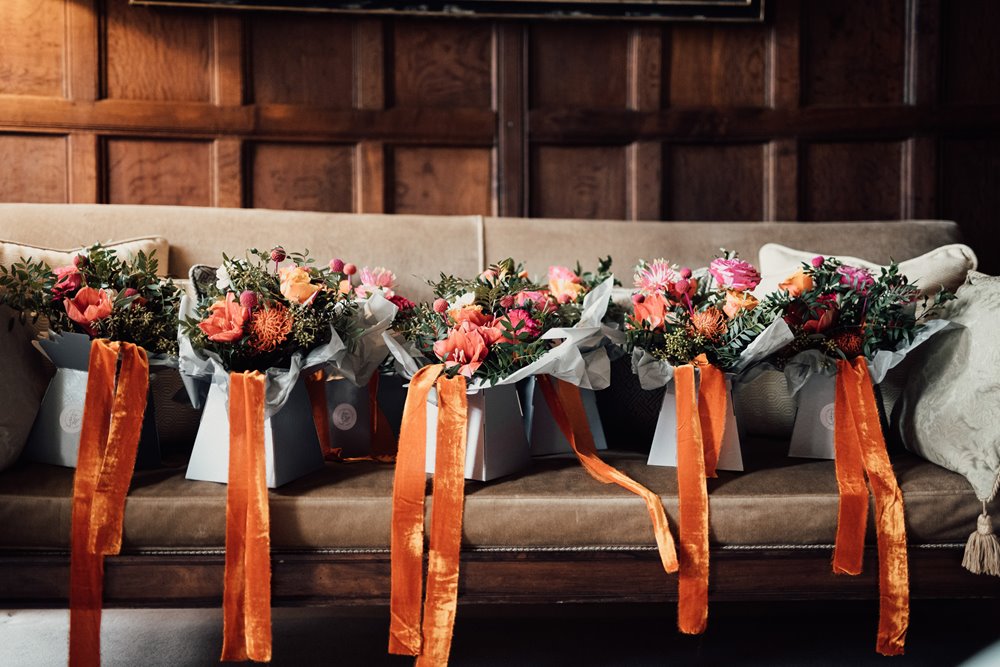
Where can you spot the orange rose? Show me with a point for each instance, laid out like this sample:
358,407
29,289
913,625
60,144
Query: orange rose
88,306
737,302
225,320
652,310
471,314
797,283
465,347
296,285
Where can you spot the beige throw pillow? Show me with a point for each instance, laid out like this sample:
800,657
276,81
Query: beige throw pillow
11,252
950,410
946,266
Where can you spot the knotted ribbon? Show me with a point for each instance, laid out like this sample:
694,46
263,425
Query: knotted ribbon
109,440
430,640
383,444
860,449
566,405
246,599
701,419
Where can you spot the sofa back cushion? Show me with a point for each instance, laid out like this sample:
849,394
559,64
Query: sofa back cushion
15,251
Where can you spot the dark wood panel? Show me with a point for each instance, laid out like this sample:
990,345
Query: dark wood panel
715,182
40,178
32,43
972,59
716,66
852,181
441,180
853,52
581,66
442,64
303,178
158,172
970,185
578,182
157,54
295,61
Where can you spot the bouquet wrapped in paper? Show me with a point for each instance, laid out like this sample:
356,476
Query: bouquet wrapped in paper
850,327
691,332
108,319
464,353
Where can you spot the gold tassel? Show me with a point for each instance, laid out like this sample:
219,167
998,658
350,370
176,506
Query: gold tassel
982,551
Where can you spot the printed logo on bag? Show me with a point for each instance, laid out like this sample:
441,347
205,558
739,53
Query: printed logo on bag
826,416
71,419
345,416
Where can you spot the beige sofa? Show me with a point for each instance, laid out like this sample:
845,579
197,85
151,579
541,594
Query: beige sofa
548,534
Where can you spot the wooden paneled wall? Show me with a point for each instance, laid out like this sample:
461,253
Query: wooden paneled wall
841,109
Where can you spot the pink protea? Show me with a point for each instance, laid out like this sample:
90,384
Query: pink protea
521,321
655,277
375,280
855,277
734,274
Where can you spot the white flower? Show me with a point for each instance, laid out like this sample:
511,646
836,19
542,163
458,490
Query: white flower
222,279
466,299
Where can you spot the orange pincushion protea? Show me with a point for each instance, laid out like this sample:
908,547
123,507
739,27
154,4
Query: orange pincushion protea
269,327
851,343
710,323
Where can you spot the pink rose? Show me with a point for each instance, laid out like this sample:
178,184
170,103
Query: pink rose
564,285
539,301
225,320
465,347
521,322
68,281
855,277
88,306
734,274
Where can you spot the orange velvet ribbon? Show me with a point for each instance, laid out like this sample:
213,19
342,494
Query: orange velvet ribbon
383,444
430,640
859,450
109,440
246,601
701,419
566,405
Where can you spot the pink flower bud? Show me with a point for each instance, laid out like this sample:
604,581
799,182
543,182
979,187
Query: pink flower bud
507,301
337,265
685,273
130,291
638,298
682,286
440,306
817,261
350,269
80,261
248,299
278,254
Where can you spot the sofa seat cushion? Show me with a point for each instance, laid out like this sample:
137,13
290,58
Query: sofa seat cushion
552,504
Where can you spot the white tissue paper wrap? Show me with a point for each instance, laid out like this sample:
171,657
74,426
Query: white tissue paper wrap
373,317
580,359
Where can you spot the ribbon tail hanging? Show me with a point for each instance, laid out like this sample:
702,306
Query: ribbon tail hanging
692,492
566,405
441,601
407,530
713,398
852,513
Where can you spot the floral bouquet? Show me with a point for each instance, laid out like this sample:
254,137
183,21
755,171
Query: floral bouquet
850,327
119,305
690,332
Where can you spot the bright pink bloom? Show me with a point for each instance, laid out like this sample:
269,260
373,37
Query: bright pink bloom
855,277
88,306
68,281
374,280
657,276
337,265
734,274
402,302
465,347
521,321
817,261
538,300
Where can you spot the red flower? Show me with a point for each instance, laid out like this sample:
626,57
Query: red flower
88,306
825,316
402,302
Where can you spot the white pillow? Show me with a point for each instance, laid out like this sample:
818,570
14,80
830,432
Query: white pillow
946,266
11,252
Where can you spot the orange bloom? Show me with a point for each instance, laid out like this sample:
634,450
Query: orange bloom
269,327
88,306
296,285
737,302
710,323
225,320
652,310
465,347
472,314
564,285
797,283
